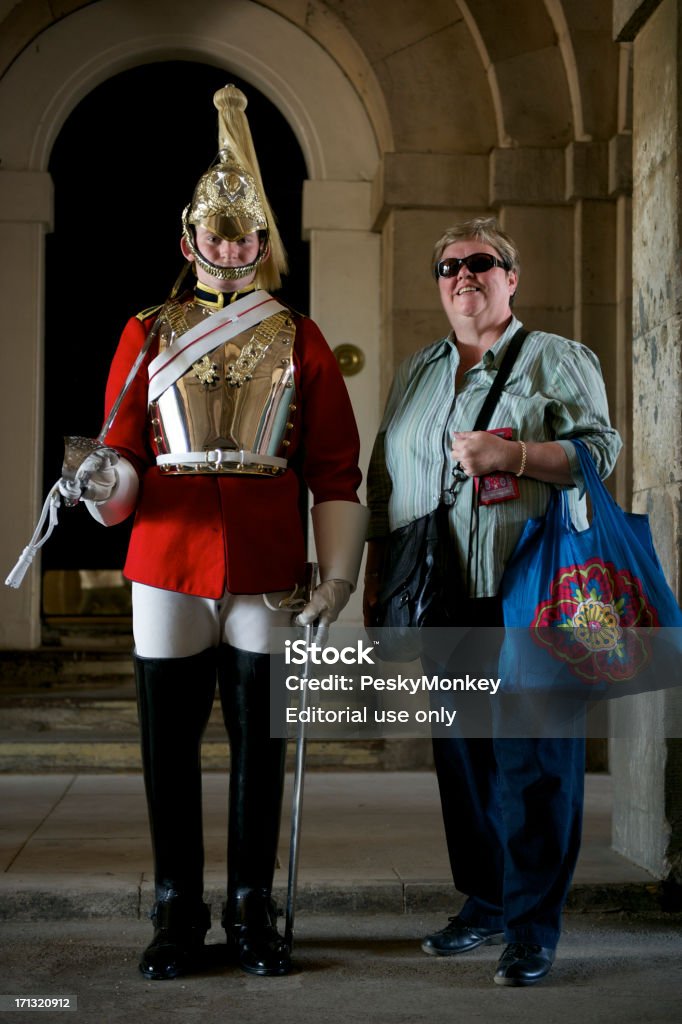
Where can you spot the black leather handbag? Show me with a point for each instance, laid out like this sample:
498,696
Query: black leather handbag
420,573
422,581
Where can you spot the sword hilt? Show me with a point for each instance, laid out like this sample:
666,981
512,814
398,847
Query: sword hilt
311,579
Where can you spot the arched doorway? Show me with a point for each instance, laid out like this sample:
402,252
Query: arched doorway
304,81
120,185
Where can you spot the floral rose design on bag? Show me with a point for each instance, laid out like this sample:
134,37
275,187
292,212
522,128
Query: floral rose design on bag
589,621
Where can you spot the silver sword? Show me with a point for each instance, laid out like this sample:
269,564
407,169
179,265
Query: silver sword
299,770
75,477
77,449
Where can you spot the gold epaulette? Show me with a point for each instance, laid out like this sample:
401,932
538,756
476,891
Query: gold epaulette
150,311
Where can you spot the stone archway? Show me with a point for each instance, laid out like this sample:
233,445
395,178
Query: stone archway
36,95
419,52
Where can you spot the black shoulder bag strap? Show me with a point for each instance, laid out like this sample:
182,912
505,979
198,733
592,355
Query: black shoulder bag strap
483,419
501,377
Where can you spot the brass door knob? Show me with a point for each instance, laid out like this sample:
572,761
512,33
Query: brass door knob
350,358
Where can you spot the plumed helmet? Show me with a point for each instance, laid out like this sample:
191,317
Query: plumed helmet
229,199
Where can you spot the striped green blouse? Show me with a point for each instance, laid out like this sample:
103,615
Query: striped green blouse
555,392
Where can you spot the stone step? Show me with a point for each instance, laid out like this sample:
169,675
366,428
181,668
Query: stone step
64,753
50,668
76,711
70,707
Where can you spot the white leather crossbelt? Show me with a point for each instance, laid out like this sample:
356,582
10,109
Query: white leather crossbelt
219,457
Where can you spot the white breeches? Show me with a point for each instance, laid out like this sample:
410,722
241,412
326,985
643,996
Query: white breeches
171,625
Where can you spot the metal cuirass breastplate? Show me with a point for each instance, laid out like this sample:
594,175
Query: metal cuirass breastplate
234,404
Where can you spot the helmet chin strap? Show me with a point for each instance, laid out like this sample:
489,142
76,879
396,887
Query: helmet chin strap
228,273
225,273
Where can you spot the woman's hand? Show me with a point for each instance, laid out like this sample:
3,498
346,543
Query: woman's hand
479,452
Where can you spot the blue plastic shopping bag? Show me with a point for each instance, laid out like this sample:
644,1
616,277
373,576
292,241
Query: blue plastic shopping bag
589,612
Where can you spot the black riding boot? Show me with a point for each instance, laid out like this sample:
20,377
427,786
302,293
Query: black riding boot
256,784
175,696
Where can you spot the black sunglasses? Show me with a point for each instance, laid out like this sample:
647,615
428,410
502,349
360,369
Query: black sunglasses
477,263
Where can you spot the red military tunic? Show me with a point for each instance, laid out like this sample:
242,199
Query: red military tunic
203,534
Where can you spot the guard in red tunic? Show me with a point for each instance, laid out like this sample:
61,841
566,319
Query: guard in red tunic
239,403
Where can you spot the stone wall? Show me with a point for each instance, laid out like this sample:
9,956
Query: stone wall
647,812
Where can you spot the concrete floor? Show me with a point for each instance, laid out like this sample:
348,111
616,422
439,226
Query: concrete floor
351,968
75,891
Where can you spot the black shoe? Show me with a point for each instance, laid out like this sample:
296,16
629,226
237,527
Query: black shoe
458,937
523,964
178,939
250,923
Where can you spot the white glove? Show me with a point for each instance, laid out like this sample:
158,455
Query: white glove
95,480
326,603
122,500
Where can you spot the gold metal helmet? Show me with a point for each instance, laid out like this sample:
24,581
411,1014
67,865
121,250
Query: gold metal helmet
230,200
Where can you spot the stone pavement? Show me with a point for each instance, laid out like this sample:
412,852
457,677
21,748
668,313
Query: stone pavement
351,969
374,879
77,846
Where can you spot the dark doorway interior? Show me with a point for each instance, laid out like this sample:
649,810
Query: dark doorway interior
124,166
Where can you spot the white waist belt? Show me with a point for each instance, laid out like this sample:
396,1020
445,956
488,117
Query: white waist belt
219,457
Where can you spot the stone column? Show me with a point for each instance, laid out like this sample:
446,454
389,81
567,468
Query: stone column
416,197
647,768
345,290
25,216
593,185
528,194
